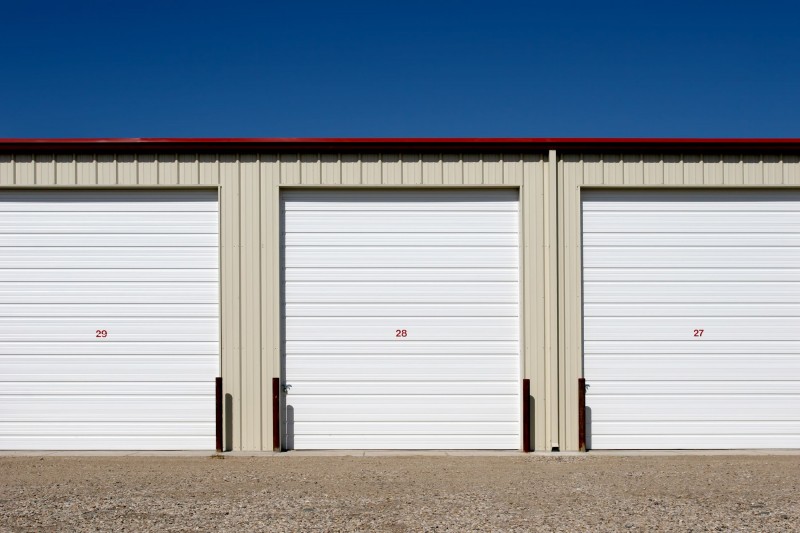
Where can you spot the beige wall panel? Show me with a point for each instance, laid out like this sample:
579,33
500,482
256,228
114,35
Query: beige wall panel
24,170
250,293
513,170
432,169
270,285
147,169
231,291
310,169
713,173
732,169
592,165
209,169
632,169
331,169
791,170
66,169
188,169
290,169
371,169
472,168
6,169
492,169
452,169
538,225
653,169
613,169
773,170
351,169
753,170
168,169
673,169
127,169
86,166
392,169
692,169
412,169
45,169
106,169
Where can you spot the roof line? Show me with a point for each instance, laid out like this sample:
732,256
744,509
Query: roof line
422,144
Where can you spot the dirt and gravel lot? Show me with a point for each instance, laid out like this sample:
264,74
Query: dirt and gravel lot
401,493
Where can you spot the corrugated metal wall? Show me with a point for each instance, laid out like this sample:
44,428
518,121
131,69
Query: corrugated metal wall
250,239
632,170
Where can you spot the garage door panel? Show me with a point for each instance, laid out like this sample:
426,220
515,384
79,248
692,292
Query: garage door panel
103,291
406,442
420,366
392,347
680,347
107,257
399,222
402,274
413,386
442,267
110,367
693,442
415,328
165,200
700,200
116,328
375,200
699,428
423,408
143,240
401,310
715,275
108,222
697,407
686,367
401,256
108,408
684,257
716,310
689,240
108,274
670,328
690,292
400,428
405,292
102,311
653,221
696,386
400,239
142,266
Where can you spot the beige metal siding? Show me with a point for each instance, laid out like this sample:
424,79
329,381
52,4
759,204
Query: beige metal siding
647,170
250,247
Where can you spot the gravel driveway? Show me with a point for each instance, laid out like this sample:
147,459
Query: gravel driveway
401,493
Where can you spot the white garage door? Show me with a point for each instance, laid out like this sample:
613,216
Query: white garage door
402,319
108,319
692,318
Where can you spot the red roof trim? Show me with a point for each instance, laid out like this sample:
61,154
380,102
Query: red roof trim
397,144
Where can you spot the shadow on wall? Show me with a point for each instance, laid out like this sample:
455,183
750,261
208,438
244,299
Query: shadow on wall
289,427
588,411
228,422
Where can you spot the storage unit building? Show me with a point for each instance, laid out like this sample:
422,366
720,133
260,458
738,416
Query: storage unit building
399,294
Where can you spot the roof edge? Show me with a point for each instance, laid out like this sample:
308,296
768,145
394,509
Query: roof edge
421,144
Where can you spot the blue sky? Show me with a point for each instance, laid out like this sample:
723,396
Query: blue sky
400,69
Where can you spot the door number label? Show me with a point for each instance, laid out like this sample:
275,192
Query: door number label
400,333
698,333
101,334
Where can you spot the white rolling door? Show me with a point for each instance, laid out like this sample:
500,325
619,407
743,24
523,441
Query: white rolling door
402,319
109,319
692,318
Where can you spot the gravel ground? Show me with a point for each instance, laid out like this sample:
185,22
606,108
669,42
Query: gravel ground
401,493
